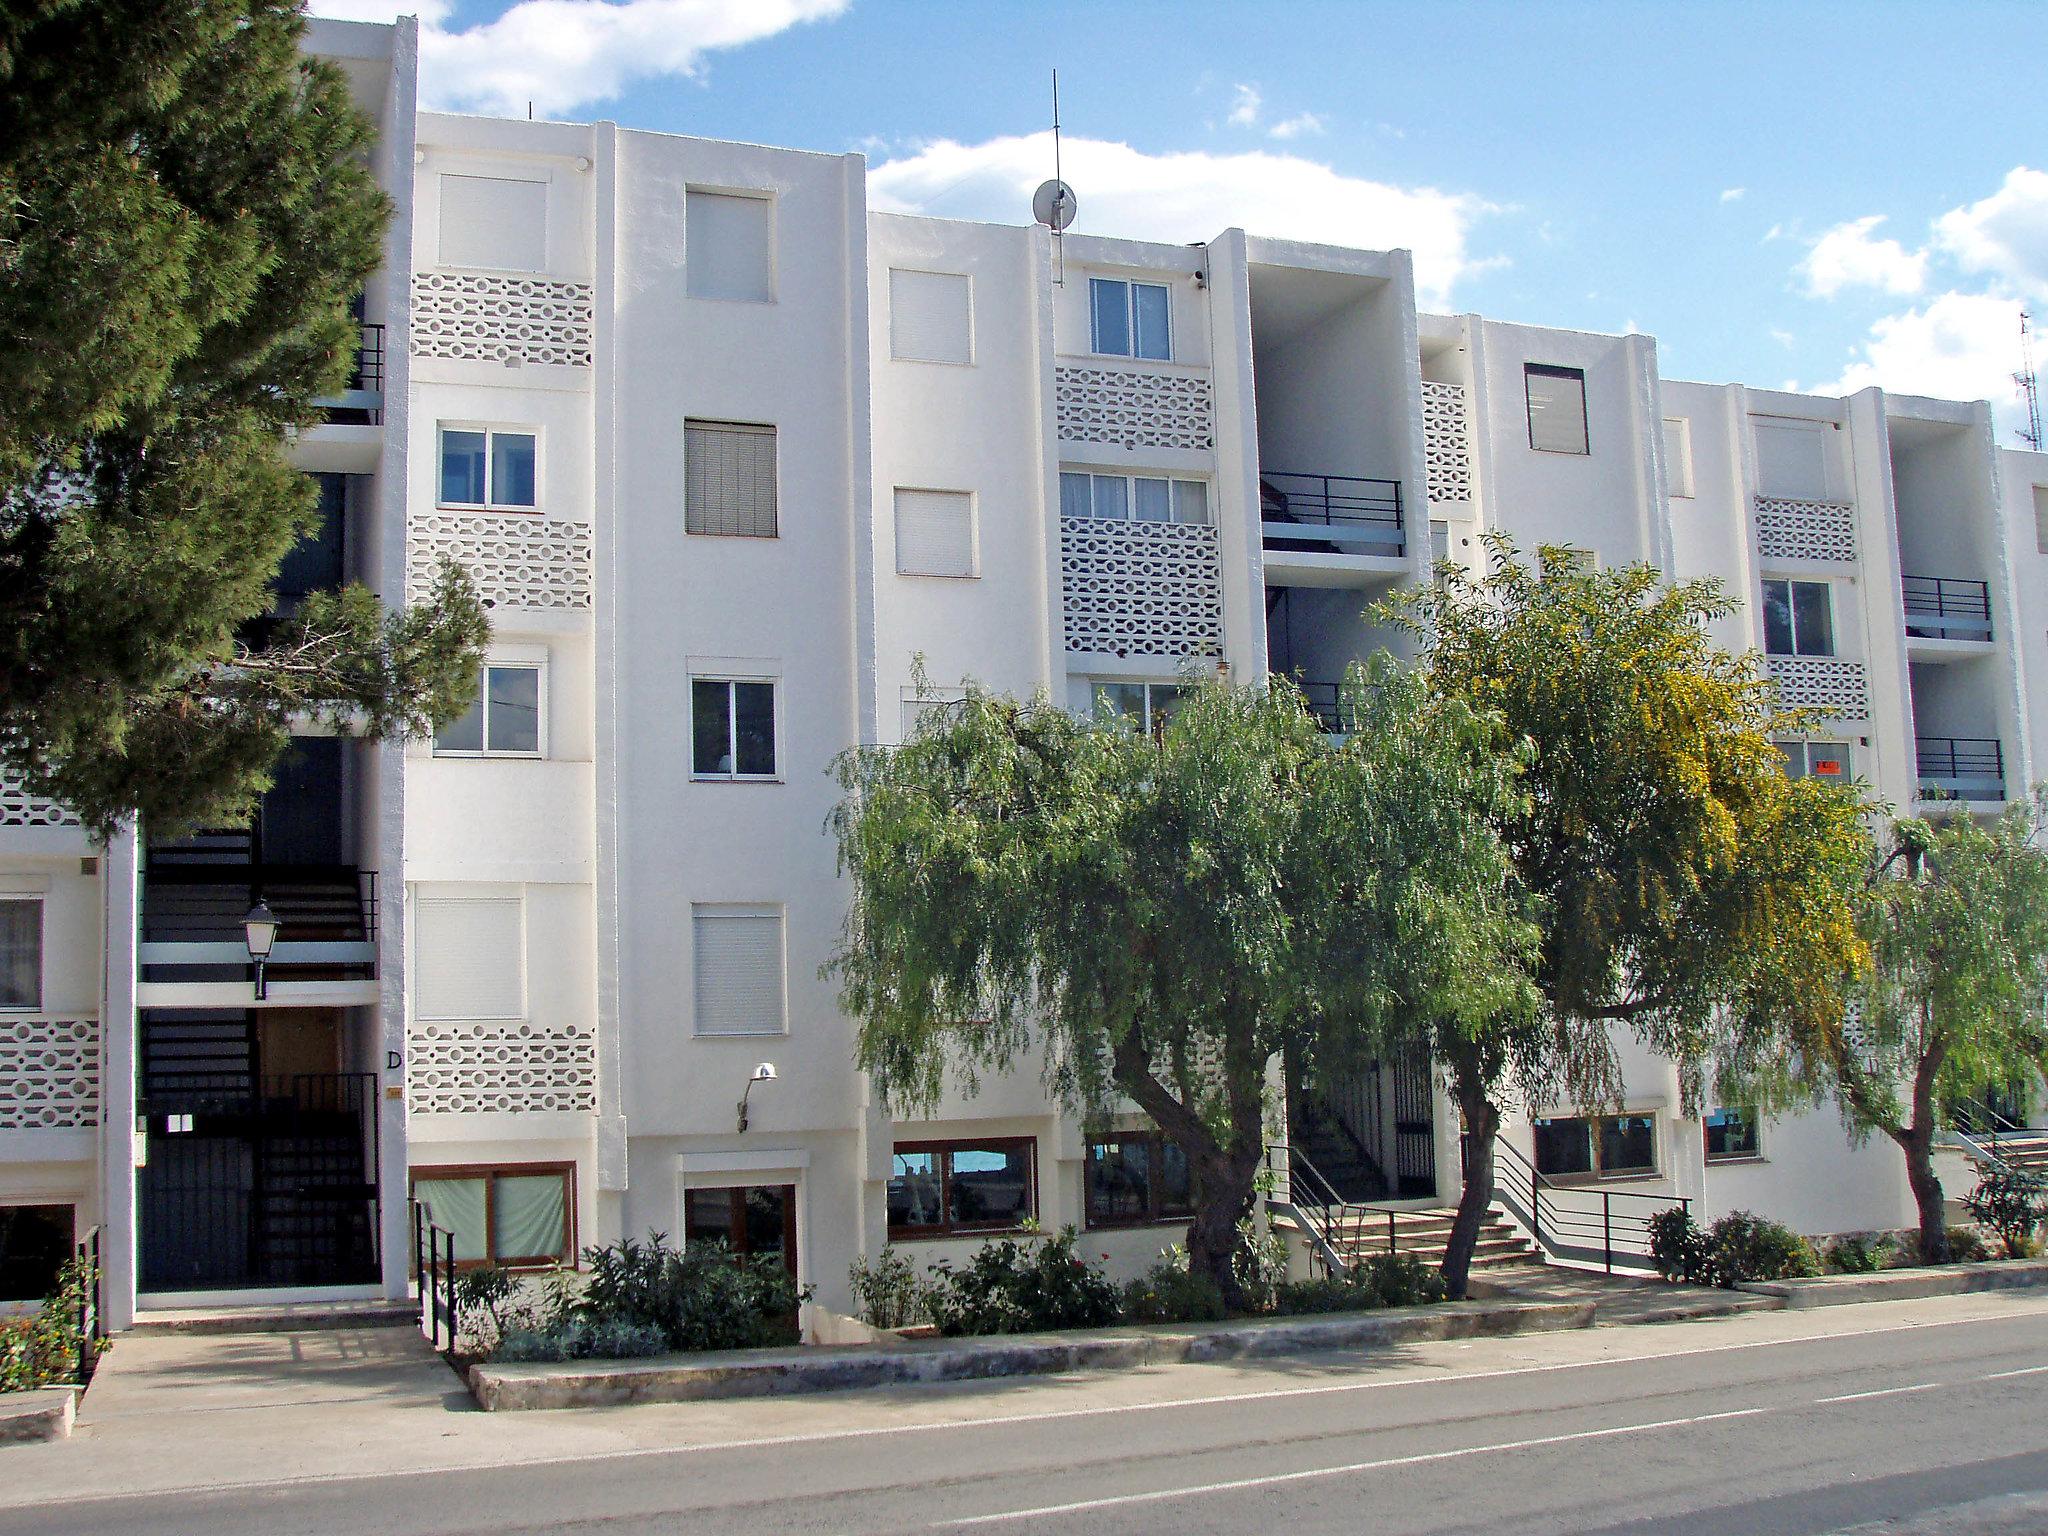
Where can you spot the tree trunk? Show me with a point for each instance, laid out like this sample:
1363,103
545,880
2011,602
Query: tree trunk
1226,1199
1482,1126
1917,1142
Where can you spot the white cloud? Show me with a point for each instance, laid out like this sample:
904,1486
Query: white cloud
1189,196
564,54
2005,234
1733,194
1956,346
1850,256
1244,106
1296,126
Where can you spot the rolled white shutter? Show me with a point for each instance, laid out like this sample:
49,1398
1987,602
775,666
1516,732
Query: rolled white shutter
739,964
468,960
930,317
934,533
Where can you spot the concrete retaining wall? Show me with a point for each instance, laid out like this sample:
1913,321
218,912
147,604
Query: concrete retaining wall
1905,1284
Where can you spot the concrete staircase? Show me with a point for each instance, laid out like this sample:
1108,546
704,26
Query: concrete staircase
2026,1149
1425,1234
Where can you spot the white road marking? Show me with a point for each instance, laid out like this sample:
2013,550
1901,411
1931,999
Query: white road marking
1857,1397
825,1436
2025,1370
1271,1479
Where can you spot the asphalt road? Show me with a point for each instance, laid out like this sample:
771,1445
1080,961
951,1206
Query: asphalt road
1730,1428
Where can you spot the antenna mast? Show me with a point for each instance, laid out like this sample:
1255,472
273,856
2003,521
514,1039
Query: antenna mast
2029,387
1059,244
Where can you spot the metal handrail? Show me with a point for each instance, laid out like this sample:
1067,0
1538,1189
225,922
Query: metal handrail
1287,497
1335,1226
1564,1230
1946,608
433,1266
91,1324
1970,767
1325,702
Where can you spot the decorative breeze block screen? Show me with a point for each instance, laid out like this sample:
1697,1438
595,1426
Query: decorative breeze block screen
502,1066
1805,530
1133,407
1446,446
517,559
19,808
488,318
1814,682
49,1074
1141,589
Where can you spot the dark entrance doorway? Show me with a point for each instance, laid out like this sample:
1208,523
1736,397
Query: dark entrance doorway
1370,1135
747,1218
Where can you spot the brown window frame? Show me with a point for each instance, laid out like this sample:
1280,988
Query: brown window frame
1599,1173
1156,1213
944,1148
488,1171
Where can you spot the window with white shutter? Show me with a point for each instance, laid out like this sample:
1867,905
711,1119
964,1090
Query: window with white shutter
495,222
739,963
1793,459
934,533
729,479
930,317
1678,455
1557,408
468,958
729,247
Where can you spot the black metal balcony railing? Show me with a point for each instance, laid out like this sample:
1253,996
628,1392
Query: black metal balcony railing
1960,768
362,402
1325,701
1349,515
1940,608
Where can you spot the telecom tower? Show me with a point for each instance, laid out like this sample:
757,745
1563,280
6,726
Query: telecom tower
2029,387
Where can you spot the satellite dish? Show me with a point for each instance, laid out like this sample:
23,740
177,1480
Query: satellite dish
1054,205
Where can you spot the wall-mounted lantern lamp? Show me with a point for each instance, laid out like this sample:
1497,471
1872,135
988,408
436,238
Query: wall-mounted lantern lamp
764,1073
259,932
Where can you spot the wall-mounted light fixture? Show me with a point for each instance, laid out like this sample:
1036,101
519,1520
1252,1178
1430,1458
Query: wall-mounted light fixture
259,932
764,1073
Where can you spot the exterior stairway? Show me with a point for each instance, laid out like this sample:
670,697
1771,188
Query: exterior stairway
1358,1233
2026,1149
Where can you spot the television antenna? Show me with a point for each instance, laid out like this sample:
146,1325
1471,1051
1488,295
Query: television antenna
2029,387
1054,204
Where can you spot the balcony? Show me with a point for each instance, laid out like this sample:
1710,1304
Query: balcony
1134,406
1141,589
1960,768
1836,687
1326,702
361,404
1939,608
1331,530
1790,529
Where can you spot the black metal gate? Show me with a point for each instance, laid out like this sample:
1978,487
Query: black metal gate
1414,1126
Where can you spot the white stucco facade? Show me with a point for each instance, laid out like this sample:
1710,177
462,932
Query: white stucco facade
787,454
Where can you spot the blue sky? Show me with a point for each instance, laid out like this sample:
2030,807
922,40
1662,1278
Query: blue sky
1823,194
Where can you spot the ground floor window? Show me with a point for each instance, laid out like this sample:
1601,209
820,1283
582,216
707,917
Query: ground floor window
519,1216
1596,1146
961,1186
1137,1176
1731,1135
747,1219
35,1240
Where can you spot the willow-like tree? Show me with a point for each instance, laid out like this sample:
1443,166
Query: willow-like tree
186,212
1688,891
1956,917
1156,914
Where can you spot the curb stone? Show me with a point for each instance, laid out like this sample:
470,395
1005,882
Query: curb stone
40,1413
1903,1284
777,1372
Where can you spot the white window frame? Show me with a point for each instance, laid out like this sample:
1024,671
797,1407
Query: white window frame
1151,719
491,430
774,274
42,950
912,699
715,911
496,170
1131,479
716,670
523,660
1678,467
1792,615
1804,746
936,362
1756,1122
1131,287
973,571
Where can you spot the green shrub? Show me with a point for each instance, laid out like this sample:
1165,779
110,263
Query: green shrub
1348,1292
890,1292
1259,1264
1748,1247
1858,1253
1169,1293
2013,1203
702,1296
1966,1245
1008,1287
582,1339
43,1350
1401,1280
1680,1248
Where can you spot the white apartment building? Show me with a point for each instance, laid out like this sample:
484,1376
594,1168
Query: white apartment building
731,458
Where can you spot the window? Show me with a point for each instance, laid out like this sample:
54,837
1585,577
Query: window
732,729
1130,319
747,1219
35,1241
495,222
916,706
1794,459
1798,619
1557,408
520,1216
738,958
503,722
729,479
1137,498
1731,1135
1137,1176
468,958
1678,455
1817,759
487,467
930,317
21,953
729,247
934,533
1600,1146
1146,705
2041,518
961,1186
